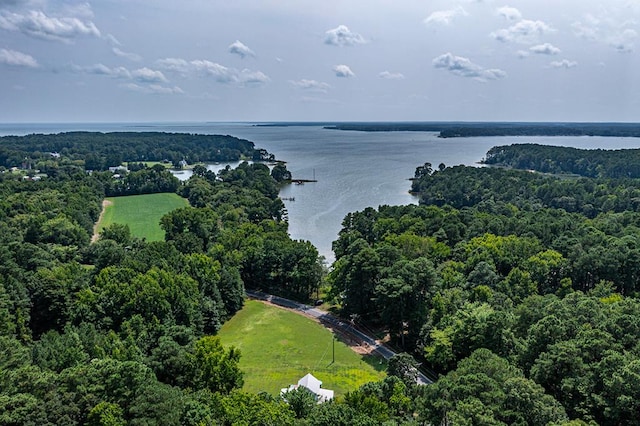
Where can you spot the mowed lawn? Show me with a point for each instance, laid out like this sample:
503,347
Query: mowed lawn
279,347
142,213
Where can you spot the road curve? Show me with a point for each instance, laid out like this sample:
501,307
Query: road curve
331,320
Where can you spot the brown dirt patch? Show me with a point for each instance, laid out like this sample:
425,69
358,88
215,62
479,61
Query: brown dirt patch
95,235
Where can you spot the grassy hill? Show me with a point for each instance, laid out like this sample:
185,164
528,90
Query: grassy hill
141,212
279,347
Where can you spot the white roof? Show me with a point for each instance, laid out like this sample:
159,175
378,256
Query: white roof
310,383
314,385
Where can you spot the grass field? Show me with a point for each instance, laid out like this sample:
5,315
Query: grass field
279,347
141,212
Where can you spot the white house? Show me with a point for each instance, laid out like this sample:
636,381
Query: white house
314,385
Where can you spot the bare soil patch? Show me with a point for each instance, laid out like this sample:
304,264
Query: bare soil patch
96,235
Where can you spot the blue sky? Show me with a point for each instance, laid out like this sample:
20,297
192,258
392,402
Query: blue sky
330,60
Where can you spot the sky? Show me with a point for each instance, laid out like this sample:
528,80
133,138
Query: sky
319,60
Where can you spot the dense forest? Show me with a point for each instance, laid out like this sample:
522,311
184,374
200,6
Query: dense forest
505,270
472,129
122,331
98,151
520,289
593,163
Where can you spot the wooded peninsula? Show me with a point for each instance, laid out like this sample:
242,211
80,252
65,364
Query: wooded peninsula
472,129
517,285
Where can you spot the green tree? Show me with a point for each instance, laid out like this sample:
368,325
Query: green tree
486,389
214,367
301,401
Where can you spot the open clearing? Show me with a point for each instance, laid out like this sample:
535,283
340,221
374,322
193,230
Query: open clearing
278,347
141,212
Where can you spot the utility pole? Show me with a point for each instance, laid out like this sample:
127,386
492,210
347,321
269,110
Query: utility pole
334,349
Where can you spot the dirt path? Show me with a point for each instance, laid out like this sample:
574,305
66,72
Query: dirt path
95,235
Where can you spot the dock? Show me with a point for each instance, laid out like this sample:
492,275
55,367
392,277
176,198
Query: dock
302,181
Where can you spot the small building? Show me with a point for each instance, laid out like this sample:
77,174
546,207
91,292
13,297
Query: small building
314,385
118,169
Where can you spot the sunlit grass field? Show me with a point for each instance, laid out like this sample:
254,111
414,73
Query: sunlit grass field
142,213
279,347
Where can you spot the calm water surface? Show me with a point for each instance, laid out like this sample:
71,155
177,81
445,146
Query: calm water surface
354,170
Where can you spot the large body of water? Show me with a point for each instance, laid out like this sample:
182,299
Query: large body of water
354,170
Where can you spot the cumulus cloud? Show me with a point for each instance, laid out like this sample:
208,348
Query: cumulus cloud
615,33
240,49
445,17
545,49
463,67
128,55
218,72
176,65
141,75
39,25
509,13
343,71
343,36
153,89
101,69
147,75
311,85
565,63
257,78
391,75
525,31
17,59
143,80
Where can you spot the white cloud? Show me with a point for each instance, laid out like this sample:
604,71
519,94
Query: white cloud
177,65
342,36
343,71
17,59
525,31
153,89
252,77
128,55
391,75
112,40
219,72
141,75
101,69
565,63
463,67
445,17
311,85
240,49
38,24
146,75
617,33
545,49
509,13
522,54
144,80
623,41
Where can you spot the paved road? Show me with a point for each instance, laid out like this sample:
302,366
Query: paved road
327,318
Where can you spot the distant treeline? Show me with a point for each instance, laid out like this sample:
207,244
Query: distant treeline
471,129
102,150
596,163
